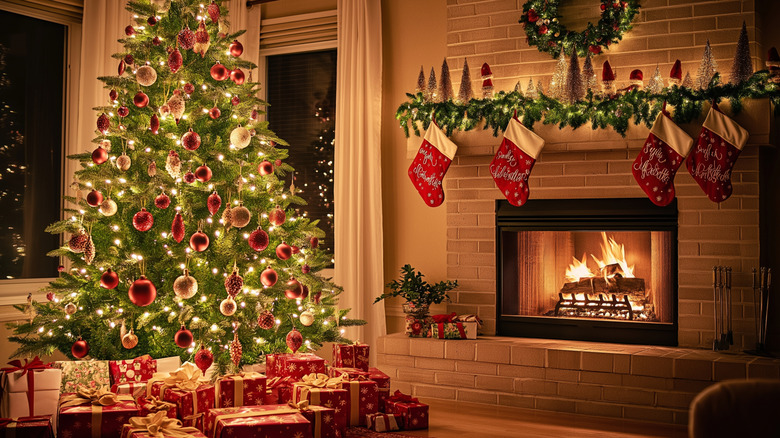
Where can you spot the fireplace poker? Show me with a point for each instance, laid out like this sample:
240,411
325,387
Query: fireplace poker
730,333
716,319
722,305
767,285
756,309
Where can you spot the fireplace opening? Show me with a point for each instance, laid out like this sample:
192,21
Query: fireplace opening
588,269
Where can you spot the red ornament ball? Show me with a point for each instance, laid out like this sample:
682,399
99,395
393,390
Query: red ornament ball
183,338
186,38
237,76
162,201
50,296
151,20
214,113
109,279
189,88
60,268
113,95
235,100
265,168
99,155
266,320
103,123
123,111
189,177
141,99
314,242
129,31
203,173
305,269
268,277
129,59
199,241
213,202
219,72
305,292
190,140
203,359
236,48
603,7
277,216
278,162
79,349
94,198
284,251
294,340
294,289
295,249
143,220
156,41
317,297
142,292
258,239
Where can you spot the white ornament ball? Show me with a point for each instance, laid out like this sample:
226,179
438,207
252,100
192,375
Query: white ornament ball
70,308
307,318
240,137
146,76
123,162
228,306
240,216
107,207
185,286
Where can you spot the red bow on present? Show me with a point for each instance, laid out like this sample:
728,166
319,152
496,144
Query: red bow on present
444,318
400,397
34,365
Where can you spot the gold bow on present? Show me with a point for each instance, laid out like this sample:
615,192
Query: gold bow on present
155,404
319,380
160,426
186,378
92,396
302,405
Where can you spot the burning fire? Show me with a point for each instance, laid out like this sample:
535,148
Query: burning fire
612,253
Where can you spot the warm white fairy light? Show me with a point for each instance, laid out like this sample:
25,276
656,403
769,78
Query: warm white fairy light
215,271
214,327
195,319
278,322
88,184
112,324
108,181
203,298
166,308
117,242
40,329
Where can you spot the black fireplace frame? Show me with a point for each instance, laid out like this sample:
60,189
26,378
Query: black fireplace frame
623,214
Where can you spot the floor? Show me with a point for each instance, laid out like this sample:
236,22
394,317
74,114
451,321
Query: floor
451,419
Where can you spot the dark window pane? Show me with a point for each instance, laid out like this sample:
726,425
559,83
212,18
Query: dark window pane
31,100
302,98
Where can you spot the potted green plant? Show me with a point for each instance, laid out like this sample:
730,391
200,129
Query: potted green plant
418,293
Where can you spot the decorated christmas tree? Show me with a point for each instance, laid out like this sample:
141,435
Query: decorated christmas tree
187,234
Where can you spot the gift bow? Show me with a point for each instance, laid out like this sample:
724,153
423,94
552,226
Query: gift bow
302,405
90,396
444,318
245,375
154,404
160,426
358,378
468,318
318,380
185,378
35,364
400,397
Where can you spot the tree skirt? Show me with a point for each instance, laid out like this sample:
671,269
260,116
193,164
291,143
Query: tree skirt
362,432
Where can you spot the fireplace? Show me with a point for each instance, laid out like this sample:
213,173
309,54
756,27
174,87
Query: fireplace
587,269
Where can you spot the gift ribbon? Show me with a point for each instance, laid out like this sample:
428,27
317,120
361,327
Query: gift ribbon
240,380
29,368
97,398
400,397
280,411
444,317
468,318
304,406
459,325
388,422
154,404
354,402
314,384
11,424
160,426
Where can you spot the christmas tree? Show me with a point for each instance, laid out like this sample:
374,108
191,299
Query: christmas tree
574,90
465,93
742,68
445,86
589,81
187,235
707,69
558,81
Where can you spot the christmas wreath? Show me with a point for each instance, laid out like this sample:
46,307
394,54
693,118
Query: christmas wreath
544,30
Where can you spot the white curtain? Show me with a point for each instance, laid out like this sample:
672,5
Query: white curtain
357,167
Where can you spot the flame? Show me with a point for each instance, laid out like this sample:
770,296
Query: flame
578,269
611,253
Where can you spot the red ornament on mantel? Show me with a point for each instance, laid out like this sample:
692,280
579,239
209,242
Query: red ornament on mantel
143,220
142,292
79,349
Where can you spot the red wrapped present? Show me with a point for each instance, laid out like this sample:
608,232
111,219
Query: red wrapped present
267,421
319,390
362,399
383,386
243,389
38,426
418,328
322,419
294,365
352,373
277,389
414,413
380,422
158,426
135,389
188,390
139,369
351,355
152,405
94,413
451,326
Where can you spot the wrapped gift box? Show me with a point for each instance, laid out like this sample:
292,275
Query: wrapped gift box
294,366
383,386
278,390
351,356
414,413
94,413
267,421
452,326
29,389
245,389
138,370
362,399
352,373
188,390
319,390
135,389
158,425
38,426
151,405
168,364
323,422
418,328
83,373
380,422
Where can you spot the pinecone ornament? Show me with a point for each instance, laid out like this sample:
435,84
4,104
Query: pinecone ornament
233,284
201,40
186,38
266,320
175,60
213,11
173,164
89,250
227,217
78,242
236,351
213,203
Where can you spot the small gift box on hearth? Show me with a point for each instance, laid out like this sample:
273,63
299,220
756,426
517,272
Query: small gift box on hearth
294,365
383,386
94,413
362,399
266,421
321,390
151,405
413,413
38,426
29,389
453,326
353,355
278,390
379,422
186,387
158,425
242,389
418,328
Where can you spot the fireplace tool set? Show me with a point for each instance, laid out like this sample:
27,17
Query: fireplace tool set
721,290
762,283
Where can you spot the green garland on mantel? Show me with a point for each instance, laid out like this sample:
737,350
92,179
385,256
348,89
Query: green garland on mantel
601,111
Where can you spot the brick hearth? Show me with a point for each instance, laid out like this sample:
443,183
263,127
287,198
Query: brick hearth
621,381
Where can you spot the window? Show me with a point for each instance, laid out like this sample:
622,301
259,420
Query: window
32,83
301,91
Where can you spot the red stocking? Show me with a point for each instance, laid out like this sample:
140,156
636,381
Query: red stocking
514,161
431,163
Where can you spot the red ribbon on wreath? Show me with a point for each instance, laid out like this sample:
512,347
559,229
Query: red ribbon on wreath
29,368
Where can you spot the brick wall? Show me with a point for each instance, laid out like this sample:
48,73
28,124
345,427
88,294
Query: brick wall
587,164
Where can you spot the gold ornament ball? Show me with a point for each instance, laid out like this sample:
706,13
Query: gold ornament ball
307,318
108,207
185,286
240,216
146,76
70,308
130,340
123,162
240,137
228,306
